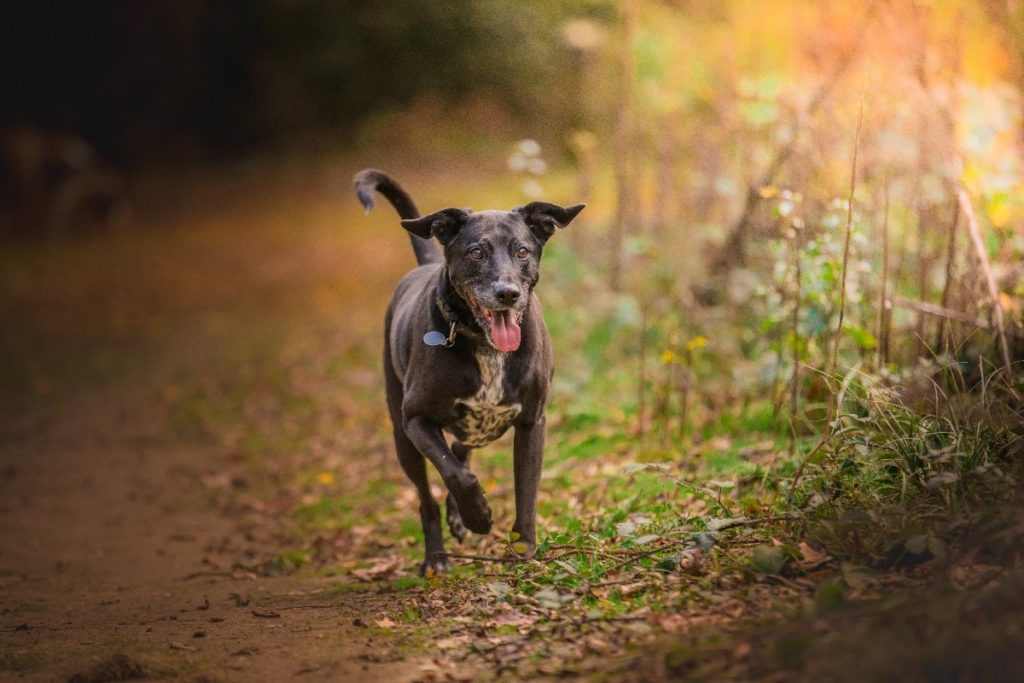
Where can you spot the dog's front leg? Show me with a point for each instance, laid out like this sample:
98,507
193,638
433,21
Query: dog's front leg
528,461
461,483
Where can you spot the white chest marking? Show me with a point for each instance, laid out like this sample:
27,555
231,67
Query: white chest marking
485,419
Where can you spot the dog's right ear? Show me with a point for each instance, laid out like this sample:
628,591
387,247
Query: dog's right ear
444,225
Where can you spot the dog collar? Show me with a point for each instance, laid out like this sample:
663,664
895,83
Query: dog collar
455,326
435,338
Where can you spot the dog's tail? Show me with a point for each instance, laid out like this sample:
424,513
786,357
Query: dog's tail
369,180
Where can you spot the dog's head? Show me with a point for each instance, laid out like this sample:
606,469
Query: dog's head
493,260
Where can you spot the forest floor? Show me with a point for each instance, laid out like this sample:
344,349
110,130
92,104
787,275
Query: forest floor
197,483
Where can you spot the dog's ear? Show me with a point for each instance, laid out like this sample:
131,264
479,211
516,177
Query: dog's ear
542,217
444,225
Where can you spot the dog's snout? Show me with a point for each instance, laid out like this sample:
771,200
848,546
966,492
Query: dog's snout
507,294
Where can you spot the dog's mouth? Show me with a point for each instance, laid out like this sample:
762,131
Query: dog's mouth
502,327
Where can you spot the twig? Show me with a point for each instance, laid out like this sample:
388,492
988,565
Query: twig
788,517
196,575
945,329
683,541
803,463
941,312
993,290
641,409
482,558
605,584
846,249
643,555
883,289
794,391
626,618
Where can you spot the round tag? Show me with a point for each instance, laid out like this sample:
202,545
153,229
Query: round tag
434,338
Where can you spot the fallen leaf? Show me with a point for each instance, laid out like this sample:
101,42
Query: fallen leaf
672,623
624,529
499,589
811,558
856,575
645,539
512,618
382,567
548,598
691,561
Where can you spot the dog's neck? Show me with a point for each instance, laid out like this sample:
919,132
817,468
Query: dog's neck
455,309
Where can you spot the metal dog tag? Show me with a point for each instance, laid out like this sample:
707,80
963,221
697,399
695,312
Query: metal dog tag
434,338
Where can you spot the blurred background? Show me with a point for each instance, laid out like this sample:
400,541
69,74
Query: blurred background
795,296
714,144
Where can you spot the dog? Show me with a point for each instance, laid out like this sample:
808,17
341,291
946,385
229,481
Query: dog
466,352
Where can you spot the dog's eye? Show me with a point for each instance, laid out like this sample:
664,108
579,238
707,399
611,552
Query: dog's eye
476,253
523,253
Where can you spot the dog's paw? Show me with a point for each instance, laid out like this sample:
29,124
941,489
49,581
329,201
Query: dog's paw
455,525
469,498
434,564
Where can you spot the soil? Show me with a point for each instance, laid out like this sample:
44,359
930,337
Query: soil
116,563
110,548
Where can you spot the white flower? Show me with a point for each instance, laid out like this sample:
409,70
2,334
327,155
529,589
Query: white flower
531,188
528,147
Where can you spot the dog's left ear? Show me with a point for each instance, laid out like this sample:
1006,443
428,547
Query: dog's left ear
542,218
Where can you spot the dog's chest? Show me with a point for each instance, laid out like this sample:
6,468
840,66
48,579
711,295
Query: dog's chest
483,416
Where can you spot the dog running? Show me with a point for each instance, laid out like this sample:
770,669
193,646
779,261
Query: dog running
466,352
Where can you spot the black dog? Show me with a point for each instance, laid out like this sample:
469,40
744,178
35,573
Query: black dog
466,352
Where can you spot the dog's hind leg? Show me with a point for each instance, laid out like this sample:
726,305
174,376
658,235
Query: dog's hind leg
415,466
451,508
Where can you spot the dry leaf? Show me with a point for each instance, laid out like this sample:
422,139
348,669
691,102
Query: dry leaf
811,558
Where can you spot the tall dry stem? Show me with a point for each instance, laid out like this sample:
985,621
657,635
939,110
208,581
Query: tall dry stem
882,349
641,405
990,281
944,337
846,250
623,143
794,387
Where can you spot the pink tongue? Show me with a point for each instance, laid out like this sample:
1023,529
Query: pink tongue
505,331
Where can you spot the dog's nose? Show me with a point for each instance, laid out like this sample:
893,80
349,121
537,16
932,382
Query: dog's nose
507,294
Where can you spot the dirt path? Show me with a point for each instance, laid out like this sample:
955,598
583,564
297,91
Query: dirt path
103,516
101,525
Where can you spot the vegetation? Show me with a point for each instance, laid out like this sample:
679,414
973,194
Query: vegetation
785,433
